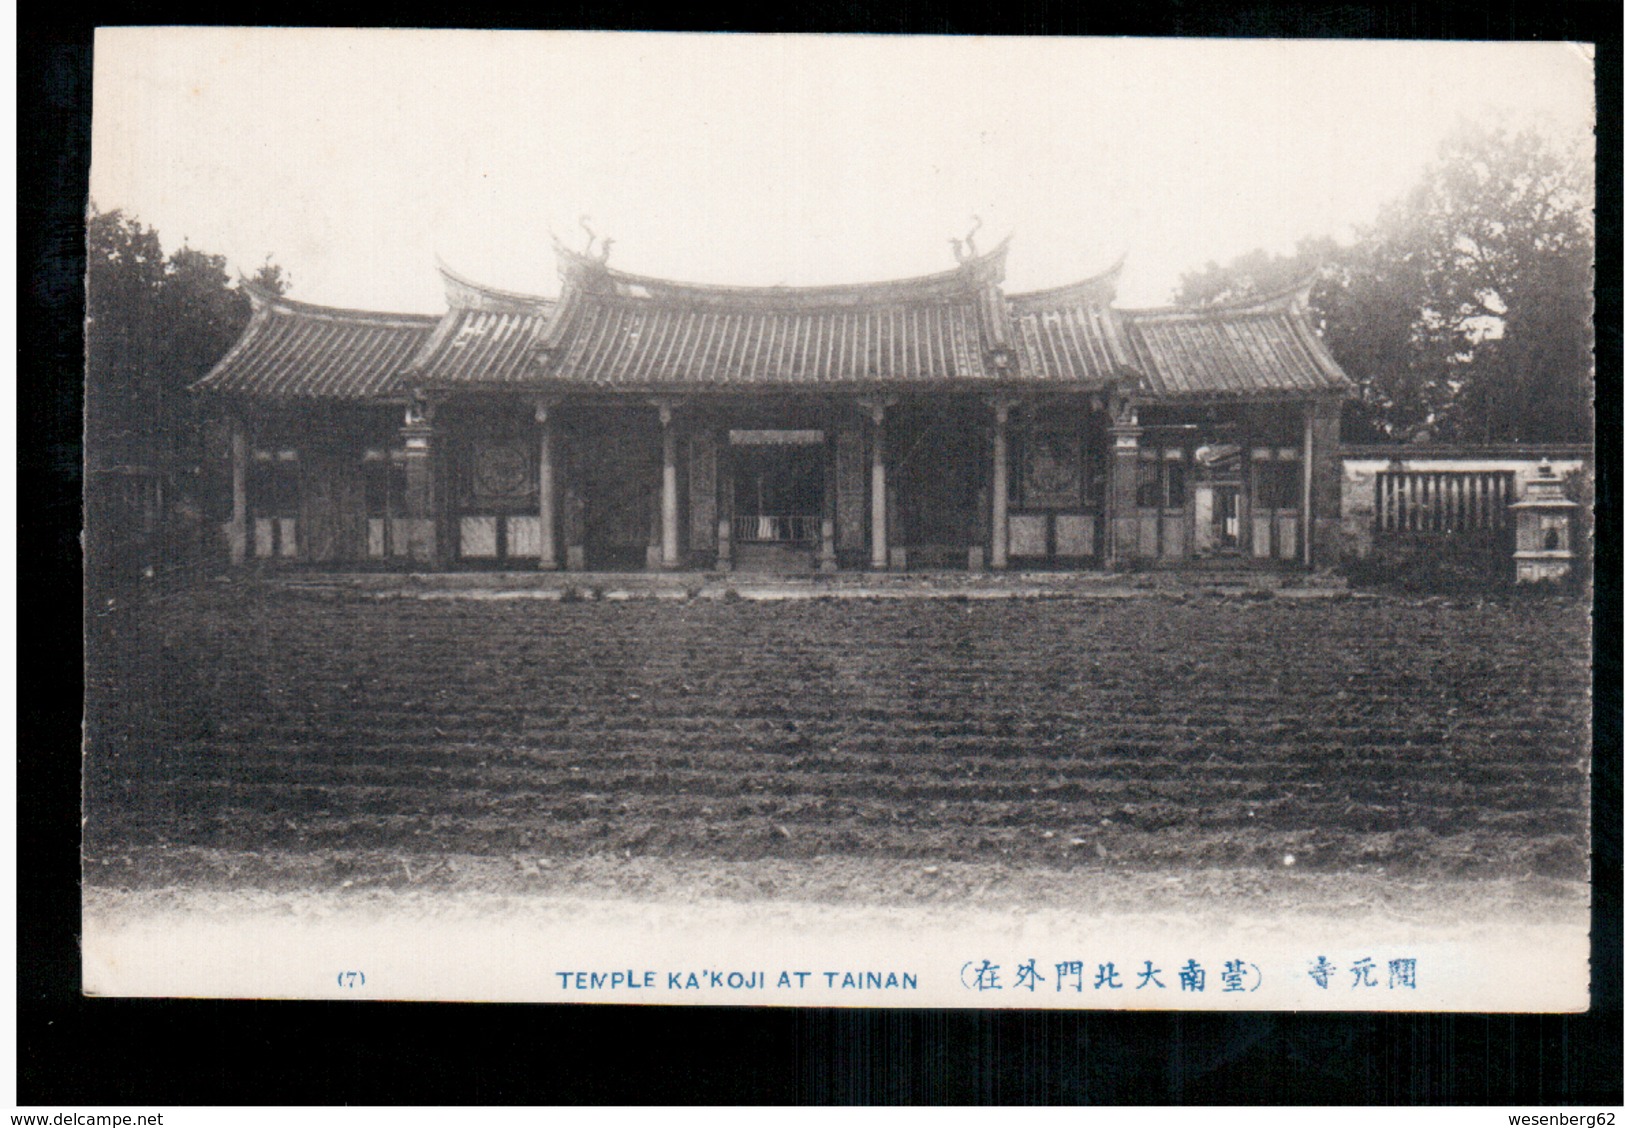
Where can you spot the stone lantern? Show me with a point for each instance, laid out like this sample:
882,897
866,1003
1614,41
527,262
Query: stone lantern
1545,520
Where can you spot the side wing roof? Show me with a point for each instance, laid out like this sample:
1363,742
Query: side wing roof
292,350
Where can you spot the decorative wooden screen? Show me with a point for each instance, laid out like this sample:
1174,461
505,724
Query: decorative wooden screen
1443,501
273,502
1052,471
389,531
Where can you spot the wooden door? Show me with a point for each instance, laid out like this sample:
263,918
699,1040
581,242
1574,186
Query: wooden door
939,456
619,466
333,508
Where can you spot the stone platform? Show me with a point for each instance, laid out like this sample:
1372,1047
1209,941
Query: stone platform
841,585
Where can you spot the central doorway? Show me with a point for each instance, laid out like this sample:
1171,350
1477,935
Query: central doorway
940,453
778,498
617,464
1217,521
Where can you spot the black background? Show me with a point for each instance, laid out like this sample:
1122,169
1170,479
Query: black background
75,1052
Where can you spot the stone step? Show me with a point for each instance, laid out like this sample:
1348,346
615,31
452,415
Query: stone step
790,585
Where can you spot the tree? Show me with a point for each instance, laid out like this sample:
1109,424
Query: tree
124,267
1465,308
1364,317
1255,274
154,326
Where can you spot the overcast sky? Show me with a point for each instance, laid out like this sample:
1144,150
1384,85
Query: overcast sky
353,158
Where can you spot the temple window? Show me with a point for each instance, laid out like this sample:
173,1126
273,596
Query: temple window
273,502
384,473
1161,483
1056,470
1276,476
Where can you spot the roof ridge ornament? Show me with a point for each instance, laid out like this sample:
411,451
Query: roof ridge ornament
462,292
603,253
965,249
261,298
1294,298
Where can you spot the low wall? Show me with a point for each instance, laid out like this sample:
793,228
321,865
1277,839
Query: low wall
1362,464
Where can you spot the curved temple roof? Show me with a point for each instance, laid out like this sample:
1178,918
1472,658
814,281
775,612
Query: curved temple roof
292,350
590,274
1261,347
613,330
627,342
1069,334
488,336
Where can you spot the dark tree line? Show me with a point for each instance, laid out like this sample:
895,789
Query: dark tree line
154,325
1464,311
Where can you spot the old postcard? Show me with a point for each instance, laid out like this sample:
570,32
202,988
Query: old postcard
785,520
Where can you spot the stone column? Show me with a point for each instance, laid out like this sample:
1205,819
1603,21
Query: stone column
826,523
237,531
897,553
849,488
1323,473
725,544
548,552
999,550
878,555
725,505
668,488
1122,516
417,437
1306,505
702,493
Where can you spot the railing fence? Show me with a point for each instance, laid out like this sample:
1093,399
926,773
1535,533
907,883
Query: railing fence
1443,501
776,527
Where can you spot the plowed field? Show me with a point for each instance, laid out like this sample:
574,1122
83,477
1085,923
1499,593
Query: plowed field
1424,737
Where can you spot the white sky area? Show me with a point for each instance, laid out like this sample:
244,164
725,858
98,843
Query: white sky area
353,158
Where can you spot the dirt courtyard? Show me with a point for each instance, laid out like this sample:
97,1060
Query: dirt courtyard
247,734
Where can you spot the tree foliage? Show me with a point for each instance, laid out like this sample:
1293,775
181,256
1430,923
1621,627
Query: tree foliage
154,326
1465,309
1255,274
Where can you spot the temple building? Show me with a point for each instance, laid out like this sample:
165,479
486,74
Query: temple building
640,423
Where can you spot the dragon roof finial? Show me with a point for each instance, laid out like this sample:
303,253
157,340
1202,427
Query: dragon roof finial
965,249
592,237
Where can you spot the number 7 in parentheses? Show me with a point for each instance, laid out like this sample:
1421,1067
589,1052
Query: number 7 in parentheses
352,979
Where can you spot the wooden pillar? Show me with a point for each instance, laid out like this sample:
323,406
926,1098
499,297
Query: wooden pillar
702,493
1323,477
548,551
725,505
999,550
417,439
444,531
237,532
878,555
1306,521
849,489
897,552
668,488
1122,515
826,525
